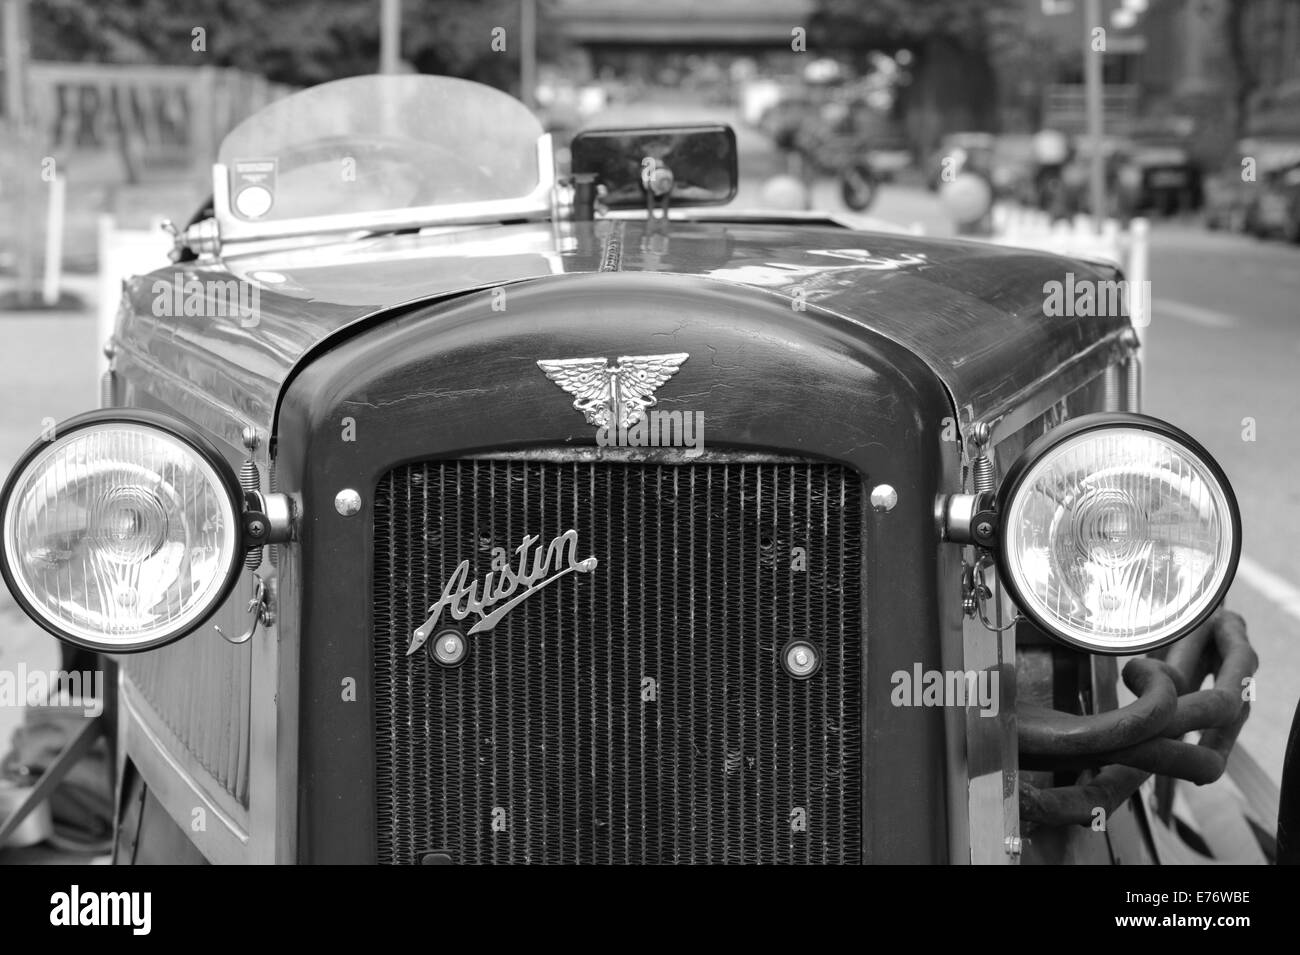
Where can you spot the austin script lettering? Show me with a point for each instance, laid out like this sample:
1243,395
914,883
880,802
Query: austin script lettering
462,596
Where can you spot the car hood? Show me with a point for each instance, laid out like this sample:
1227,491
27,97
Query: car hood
973,311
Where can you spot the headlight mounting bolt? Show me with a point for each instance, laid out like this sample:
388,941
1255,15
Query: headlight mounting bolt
984,523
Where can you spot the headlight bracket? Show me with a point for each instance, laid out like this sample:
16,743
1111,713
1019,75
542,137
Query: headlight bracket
970,519
267,519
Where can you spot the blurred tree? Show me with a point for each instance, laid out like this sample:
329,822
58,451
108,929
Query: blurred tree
953,44
1245,75
299,42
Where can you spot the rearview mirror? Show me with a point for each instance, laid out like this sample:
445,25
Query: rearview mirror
677,165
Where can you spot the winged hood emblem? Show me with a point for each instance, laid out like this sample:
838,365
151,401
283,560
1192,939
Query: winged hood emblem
613,396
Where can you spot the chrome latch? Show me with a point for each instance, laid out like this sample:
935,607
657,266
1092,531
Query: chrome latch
975,592
261,606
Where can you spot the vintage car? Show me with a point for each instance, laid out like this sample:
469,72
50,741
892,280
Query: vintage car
514,520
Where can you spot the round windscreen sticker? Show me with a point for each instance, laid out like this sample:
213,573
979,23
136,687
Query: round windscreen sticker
252,187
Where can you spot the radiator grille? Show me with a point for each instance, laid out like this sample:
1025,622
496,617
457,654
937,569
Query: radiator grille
638,713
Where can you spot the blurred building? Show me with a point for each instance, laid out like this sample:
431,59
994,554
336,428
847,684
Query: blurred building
1232,66
681,44
1270,31
1217,68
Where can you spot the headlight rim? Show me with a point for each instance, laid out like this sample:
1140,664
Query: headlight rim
1100,421
175,428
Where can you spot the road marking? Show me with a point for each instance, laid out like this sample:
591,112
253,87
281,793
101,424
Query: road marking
1270,586
1192,313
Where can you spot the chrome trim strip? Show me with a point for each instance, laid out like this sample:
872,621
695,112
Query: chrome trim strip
274,721
995,774
983,760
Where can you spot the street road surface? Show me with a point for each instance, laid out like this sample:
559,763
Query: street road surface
1223,354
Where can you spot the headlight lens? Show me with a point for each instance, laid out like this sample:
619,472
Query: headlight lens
120,535
1120,537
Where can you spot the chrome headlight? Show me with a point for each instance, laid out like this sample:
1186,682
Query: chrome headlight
122,532
1118,533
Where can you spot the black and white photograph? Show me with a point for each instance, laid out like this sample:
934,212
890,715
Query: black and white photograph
609,432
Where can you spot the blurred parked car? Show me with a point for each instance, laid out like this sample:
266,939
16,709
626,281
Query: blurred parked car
1229,198
1159,175
1277,209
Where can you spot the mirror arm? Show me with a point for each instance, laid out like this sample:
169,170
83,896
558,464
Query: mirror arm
584,196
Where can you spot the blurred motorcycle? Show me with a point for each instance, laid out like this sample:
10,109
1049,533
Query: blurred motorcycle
831,141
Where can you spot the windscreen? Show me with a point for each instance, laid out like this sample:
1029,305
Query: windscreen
380,143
